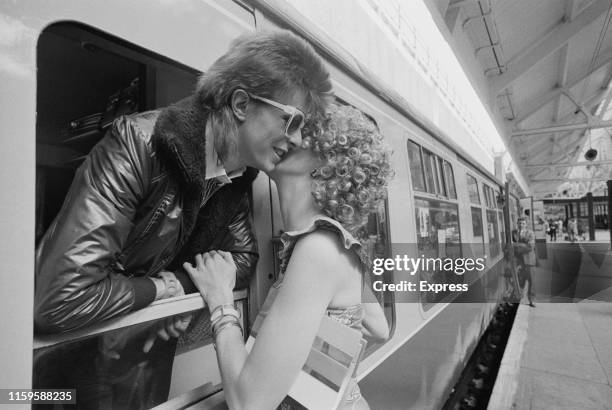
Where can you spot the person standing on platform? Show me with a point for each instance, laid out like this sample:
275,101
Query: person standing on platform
552,230
524,250
560,227
572,229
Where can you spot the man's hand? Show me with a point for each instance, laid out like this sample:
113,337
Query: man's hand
172,326
112,343
167,285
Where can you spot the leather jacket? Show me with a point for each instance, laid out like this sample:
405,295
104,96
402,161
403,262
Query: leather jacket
137,205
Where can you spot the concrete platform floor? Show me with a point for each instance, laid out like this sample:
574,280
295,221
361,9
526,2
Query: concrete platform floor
559,355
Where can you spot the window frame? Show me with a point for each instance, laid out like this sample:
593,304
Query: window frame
440,178
470,178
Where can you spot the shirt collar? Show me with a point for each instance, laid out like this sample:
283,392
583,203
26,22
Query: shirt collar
214,165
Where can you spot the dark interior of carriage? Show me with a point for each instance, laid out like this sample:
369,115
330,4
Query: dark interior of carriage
86,79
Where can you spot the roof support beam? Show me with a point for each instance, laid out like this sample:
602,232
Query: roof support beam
549,43
539,152
561,128
559,141
605,103
567,150
570,164
579,105
561,80
539,102
570,12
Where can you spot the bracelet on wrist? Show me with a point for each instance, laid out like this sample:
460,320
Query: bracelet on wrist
222,311
223,320
225,325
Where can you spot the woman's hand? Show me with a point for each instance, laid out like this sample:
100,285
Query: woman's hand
215,277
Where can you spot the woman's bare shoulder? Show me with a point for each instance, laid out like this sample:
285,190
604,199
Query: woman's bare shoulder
324,252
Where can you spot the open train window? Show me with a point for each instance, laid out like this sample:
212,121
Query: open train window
86,79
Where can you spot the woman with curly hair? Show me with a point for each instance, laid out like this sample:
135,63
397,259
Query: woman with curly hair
326,189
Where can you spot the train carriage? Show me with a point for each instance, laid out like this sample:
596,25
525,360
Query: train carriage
70,68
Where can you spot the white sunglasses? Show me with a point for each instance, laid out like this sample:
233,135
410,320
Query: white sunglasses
296,119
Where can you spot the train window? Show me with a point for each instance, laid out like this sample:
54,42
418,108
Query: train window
493,198
95,86
416,167
477,233
493,232
86,79
489,196
449,177
473,189
438,236
431,172
486,194
440,175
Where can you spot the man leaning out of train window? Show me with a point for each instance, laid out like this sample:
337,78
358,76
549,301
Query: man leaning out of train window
159,188
326,191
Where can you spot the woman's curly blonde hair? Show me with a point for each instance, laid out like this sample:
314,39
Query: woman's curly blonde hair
352,180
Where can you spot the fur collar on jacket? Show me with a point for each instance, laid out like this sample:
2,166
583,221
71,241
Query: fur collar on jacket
178,137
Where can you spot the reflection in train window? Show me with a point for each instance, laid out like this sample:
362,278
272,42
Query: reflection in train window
473,189
132,367
438,236
450,180
493,231
416,167
477,234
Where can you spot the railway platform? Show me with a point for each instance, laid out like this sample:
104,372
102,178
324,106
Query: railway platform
559,353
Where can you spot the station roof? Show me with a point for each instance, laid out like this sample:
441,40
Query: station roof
544,68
